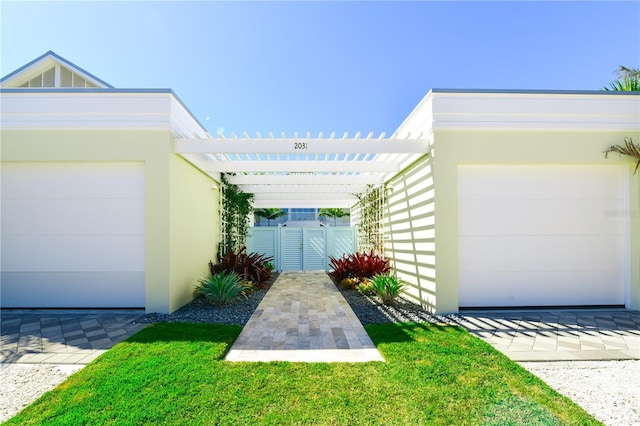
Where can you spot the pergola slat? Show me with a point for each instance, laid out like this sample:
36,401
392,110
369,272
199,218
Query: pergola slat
303,171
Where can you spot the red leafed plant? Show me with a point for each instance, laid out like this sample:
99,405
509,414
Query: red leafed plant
358,265
250,266
340,268
368,265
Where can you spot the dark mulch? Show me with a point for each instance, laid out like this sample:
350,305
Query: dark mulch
199,310
368,309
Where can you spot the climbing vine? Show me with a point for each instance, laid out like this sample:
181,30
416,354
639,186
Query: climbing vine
235,213
370,212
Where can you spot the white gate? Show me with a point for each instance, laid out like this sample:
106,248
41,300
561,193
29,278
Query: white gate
302,248
313,249
291,249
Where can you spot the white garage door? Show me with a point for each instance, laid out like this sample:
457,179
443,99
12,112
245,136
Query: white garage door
72,235
542,236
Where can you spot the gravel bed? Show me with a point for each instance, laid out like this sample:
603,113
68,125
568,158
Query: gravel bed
608,390
21,384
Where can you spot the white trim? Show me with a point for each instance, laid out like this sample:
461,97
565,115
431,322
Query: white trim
62,110
530,111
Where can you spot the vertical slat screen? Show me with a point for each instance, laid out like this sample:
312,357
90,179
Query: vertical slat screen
410,230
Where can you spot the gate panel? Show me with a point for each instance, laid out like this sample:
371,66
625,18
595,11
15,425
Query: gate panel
264,241
340,240
299,248
313,250
291,249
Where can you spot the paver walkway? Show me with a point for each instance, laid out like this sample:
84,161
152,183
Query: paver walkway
304,318
559,335
63,337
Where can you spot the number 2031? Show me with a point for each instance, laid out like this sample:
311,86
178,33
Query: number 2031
299,145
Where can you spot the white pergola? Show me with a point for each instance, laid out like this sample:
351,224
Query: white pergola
303,171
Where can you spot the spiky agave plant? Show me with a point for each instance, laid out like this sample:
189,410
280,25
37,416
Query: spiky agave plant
629,149
221,288
387,288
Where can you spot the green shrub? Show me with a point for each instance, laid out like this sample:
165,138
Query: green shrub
221,288
387,288
269,266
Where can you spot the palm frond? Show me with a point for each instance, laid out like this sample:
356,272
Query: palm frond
623,72
629,149
628,80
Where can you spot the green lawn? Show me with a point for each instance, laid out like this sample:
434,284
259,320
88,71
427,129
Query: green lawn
173,374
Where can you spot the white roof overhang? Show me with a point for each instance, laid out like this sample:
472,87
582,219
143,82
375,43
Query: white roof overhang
303,171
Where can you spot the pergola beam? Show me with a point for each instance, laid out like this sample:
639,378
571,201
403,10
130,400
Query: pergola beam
303,189
301,146
305,179
316,204
302,196
301,166
301,171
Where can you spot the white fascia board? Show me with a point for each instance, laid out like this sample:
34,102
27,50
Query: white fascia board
96,109
444,109
301,146
420,119
581,111
183,123
35,109
293,179
301,166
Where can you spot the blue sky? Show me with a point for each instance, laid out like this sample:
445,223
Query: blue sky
325,66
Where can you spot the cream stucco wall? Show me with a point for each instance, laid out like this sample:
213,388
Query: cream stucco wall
194,232
464,147
166,210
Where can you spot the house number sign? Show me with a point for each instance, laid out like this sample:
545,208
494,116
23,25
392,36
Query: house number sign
300,145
